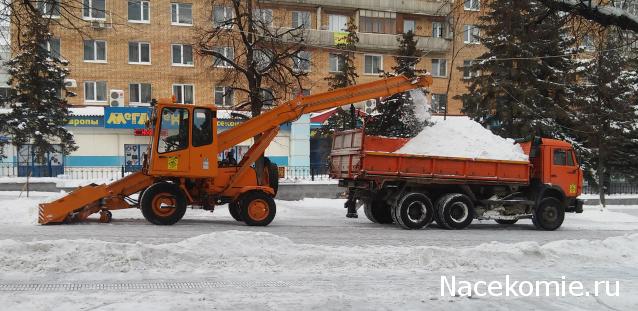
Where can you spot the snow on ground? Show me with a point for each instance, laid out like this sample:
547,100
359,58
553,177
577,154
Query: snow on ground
462,137
310,257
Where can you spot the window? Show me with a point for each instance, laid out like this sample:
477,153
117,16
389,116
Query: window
202,127
262,58
439,67
228,52
472,5
437,29
139,93
173,135
223,96
94,51
301,61
563,157
468,73
182,55
470,34
49,8
409,25
267,97
377,22
337,23
373,64
53,46
182,14
439,103
138,11
93,9
223,16
301,19
6,92
95,91
139,53
337,62
588,43
183,93
264,16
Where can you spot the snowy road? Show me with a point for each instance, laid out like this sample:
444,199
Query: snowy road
310,257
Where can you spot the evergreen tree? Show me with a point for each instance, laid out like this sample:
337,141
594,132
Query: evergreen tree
519,88
396,116
38,111
346,76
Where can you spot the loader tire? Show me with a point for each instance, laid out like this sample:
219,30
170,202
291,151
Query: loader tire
549,214
272,173
413,211
456,211
163,204
257,208
506,221
378,211
233,209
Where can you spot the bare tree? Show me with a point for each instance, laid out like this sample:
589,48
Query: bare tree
266,62
603,13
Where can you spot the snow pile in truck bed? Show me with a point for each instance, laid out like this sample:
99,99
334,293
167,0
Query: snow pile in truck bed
462,137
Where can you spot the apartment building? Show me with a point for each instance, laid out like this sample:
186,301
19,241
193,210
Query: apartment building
141,49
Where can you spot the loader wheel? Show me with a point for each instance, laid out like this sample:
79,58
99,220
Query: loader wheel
233,209
163,204
549,214
378,211
413,211
456,211
271,173
106,216
257,208
506,221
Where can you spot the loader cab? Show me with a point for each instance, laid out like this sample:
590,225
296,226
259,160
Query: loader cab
558,166
184,141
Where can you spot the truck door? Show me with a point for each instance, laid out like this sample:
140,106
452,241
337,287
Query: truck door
203,152
565,171
171,152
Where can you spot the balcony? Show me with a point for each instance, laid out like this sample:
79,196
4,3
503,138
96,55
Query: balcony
375,42
420,7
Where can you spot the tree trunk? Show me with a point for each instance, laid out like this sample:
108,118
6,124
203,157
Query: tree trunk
601,178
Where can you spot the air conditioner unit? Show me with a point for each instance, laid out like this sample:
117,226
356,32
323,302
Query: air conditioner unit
370,107
70,83
116,98
99,24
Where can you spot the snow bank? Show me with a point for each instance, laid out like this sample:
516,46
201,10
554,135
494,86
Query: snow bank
462,137
231,251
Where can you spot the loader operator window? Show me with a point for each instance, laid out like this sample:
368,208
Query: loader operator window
202,129
173,130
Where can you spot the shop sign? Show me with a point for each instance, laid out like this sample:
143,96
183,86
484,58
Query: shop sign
126,117
86,121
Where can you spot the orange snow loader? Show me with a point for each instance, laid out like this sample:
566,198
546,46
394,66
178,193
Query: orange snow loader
414,190
182,168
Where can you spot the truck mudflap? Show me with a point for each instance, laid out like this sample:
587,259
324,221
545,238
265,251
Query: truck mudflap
575,206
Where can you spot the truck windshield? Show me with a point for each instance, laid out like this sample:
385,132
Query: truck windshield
173,135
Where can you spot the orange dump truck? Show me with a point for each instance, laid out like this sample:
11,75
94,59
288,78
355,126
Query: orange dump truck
413,190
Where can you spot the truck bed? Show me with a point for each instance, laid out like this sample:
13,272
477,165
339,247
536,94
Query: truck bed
355,155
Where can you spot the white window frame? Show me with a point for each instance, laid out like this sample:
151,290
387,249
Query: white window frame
182,85
94,100
472,5
259,14
225,50
90,16
95,60
299,15
438,30
379,68
229,14
43,6
336,18
298,60
48,47
141,20
337,58
139,92
413,24
181,64
588,43
177,6
437,109
437,73
471,74
471,34
223,90
139,53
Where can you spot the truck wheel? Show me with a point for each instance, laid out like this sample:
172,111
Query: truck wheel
456,211
378,211
506,221
549,214
257,208
271,172
163,204
413,211
233,209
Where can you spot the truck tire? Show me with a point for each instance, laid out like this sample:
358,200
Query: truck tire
378,211
456,211
163,204
272,173
413,211
257,208
549,214
506,221
233,209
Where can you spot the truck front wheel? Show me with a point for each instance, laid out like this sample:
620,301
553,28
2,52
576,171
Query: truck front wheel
257,208
456,211
163,204
549,214
413,211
